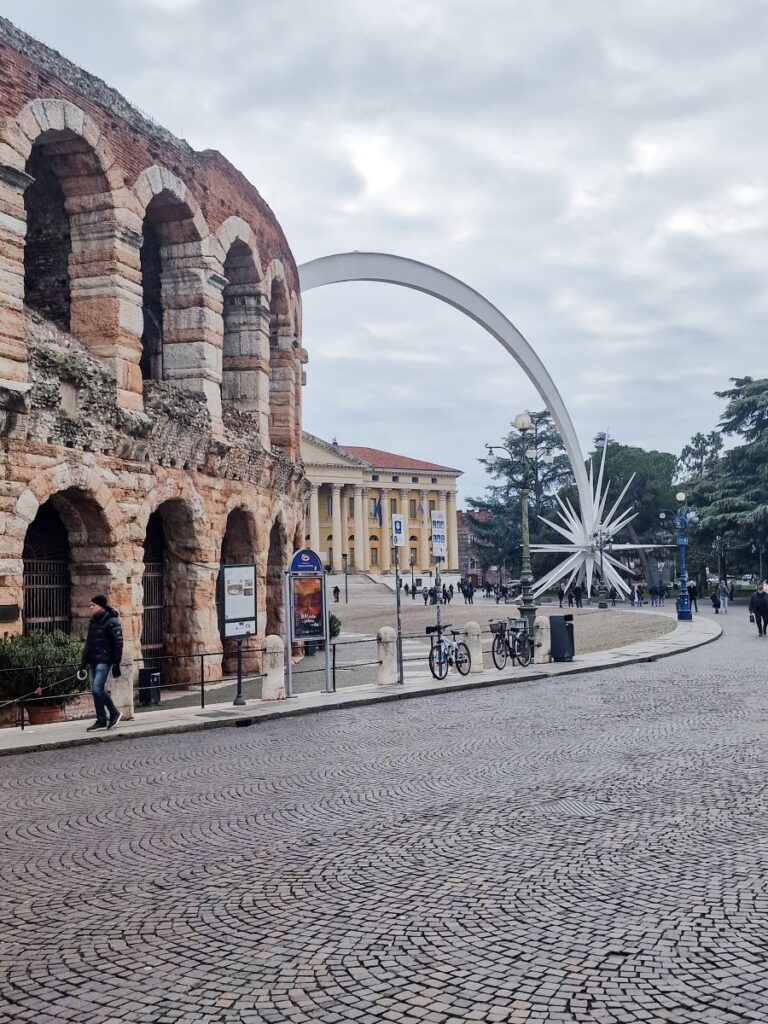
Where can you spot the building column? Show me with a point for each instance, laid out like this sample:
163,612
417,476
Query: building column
451,521
424,531
386,523
361,534
314,518
336,527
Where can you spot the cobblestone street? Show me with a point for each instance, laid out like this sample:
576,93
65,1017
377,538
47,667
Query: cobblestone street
593,849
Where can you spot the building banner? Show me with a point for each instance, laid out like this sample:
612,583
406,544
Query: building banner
308,608
398,530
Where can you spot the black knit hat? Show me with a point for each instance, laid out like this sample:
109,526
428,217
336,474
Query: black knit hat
100,600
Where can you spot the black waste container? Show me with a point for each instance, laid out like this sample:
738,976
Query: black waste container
561,642
149,686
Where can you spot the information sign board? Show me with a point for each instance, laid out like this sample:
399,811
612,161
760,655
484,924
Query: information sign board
439,538
308,611
238,583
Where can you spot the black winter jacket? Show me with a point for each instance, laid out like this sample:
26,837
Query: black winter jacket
759,602
104,643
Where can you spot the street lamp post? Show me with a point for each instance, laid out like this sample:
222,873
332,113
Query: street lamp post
522,423
683,516
602,590
413,584
345,563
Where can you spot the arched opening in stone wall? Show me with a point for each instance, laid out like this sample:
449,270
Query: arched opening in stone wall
281,369
245,353
69,224
66,556
169,614
170,287
238,547
49,242
277,559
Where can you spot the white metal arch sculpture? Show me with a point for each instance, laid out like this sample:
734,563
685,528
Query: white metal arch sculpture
582,532
388,269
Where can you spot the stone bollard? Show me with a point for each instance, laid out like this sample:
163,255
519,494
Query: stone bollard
474,640
273,667
386,645
541,641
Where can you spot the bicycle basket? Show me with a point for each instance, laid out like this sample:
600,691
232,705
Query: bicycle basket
497,627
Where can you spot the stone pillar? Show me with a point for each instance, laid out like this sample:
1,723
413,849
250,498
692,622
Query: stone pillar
282,377
245,363
13,226
451,521
361,534
386,643
386,526
273,667
336,528
474,640
314,519
193,328
424,531
541,640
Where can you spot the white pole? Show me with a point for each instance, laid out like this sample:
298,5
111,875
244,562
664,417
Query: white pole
288,644
400,676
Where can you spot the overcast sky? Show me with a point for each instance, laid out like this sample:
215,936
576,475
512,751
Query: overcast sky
598,170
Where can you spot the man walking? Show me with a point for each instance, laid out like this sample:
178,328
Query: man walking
758,609
103,651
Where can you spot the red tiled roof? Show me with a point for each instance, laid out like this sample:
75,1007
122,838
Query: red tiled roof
386,460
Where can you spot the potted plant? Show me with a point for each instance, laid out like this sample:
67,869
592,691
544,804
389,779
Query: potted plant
41,669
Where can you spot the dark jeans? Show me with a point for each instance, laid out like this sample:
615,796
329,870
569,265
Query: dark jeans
102,701
761,618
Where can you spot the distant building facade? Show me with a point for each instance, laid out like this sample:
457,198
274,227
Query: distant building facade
349,484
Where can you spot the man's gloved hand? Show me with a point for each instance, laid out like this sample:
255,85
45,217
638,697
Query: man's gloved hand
116,671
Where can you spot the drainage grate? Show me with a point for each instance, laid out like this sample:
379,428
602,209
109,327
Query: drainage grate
570,807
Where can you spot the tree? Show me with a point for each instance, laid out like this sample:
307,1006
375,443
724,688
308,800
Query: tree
495,518
700,455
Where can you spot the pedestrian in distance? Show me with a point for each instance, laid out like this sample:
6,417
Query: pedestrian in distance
103,651
407,590
560,594
569,593
577,594
758,609
613,593
425,595
471,591
731,593
715,598
662,593
654,596
693,595
723,595
336,594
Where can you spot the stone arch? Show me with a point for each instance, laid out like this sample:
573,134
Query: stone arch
388,269
277,561
181,288
178,559
81,503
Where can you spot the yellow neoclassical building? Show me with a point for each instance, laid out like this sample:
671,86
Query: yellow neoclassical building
350,483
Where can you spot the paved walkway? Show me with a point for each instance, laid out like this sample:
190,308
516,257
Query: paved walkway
418,683
590,850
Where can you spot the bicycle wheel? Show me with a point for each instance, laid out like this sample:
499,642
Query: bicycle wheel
499,651
438,661
523,650
463,659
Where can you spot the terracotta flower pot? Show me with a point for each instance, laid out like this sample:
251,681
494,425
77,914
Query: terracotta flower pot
43,714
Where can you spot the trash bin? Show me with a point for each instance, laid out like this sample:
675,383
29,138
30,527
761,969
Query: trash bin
310,647
149,686
561,637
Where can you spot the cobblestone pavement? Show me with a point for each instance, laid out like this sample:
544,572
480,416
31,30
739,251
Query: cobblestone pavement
588,850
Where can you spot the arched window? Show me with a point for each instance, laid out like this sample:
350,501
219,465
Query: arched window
245,354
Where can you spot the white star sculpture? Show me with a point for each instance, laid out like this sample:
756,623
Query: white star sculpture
583,537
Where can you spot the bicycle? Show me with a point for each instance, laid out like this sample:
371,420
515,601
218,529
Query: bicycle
443,653
510,640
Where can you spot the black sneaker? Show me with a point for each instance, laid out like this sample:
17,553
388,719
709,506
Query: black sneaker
97,725
114,720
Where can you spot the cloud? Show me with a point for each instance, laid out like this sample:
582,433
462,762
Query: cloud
598,171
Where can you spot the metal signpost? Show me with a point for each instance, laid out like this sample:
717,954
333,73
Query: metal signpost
439,551
238,612
306,611
398,541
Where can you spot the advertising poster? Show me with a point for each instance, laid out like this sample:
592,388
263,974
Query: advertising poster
439,538
239,592
308,612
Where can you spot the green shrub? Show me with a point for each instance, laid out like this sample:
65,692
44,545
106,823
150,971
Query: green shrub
58,656
334,623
